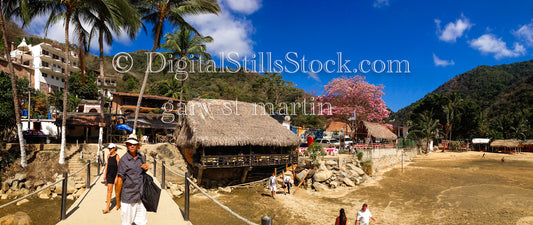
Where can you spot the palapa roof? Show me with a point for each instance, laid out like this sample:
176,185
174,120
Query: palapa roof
215,122
508,143
148,120
528,142
379,131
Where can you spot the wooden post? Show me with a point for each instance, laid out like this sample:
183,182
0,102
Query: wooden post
266,220
245,173
163,186
88,174
302,181
155,167
64,197
186,216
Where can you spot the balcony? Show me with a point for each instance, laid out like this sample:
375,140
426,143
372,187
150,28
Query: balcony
227,161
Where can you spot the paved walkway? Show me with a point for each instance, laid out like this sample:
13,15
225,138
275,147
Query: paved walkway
88,208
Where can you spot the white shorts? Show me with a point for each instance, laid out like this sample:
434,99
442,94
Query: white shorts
273,188
133,212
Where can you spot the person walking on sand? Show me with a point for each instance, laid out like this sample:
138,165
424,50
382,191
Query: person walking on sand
130,185
482,157
272,183
364,216
287,183
110,177
341,219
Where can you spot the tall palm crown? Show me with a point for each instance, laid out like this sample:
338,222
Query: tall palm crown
157,12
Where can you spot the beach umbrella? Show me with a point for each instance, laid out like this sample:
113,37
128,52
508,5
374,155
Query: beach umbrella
123,126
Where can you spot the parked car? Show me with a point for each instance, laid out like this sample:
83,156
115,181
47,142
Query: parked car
347,142
327,143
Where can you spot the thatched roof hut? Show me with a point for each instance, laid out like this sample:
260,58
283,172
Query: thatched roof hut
379,131
508,143
215,122
528,142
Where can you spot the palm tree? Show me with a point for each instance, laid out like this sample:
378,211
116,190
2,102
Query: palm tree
187,45
428,127
173,11
66,10
452,112
116,14
7,10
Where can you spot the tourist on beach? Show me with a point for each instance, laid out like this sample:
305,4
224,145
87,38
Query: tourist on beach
503,159
341,219
110,177
130,184
482,157
364,216
287,183
273,182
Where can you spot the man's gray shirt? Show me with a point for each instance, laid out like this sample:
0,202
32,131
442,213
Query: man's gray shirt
131,172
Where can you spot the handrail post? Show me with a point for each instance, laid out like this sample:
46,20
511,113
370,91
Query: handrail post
64,197
155,167
88,173
163,186
186,216
266,220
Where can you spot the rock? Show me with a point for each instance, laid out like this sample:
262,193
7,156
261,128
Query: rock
334,184
358,171
322,175
20,176
28,184
177,193
14,185
21,185
9,192
300,175
9,181
309,183
331,163
22,201
5,186
19,218
38,183
44,196
54,195
319,187
225,189
351,166
70,197
3,197
78,186
348,182
358,181
79,192
70,188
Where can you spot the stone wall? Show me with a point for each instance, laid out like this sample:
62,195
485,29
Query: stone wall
385,157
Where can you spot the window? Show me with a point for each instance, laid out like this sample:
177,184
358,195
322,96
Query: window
53,77
62,80
45,75
45,64
54,56
45,52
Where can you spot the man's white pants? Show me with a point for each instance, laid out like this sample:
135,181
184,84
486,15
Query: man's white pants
133,213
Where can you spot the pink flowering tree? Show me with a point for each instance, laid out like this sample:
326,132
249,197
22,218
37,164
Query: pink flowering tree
342,96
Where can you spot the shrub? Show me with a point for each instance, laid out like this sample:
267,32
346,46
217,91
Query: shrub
360,156
367,167
314,151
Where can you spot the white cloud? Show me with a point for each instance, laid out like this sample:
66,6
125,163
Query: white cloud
442,62
244,6
57,32
490,44
314,76
230,34
525,33
452,31
380,3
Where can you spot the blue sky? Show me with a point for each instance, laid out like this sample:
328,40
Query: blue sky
440,39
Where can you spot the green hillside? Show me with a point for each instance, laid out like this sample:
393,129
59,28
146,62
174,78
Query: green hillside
496,101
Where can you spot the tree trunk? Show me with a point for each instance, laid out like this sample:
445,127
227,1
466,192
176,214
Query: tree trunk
15,94
143,87
65,95
102,94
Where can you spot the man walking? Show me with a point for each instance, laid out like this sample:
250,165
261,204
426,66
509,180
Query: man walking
287,183
273,182
364,216
130,184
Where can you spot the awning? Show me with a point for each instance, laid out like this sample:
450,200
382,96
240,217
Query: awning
480,141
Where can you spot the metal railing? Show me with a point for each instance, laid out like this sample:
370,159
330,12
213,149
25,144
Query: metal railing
220,161
64,189
265,220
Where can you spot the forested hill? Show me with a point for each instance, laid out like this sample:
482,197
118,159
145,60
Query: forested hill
496,99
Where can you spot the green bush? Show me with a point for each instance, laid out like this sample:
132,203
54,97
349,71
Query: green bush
314,151
360,156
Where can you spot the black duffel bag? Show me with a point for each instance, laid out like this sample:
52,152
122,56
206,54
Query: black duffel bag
151,193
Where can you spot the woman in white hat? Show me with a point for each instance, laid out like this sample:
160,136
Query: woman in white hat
111,173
